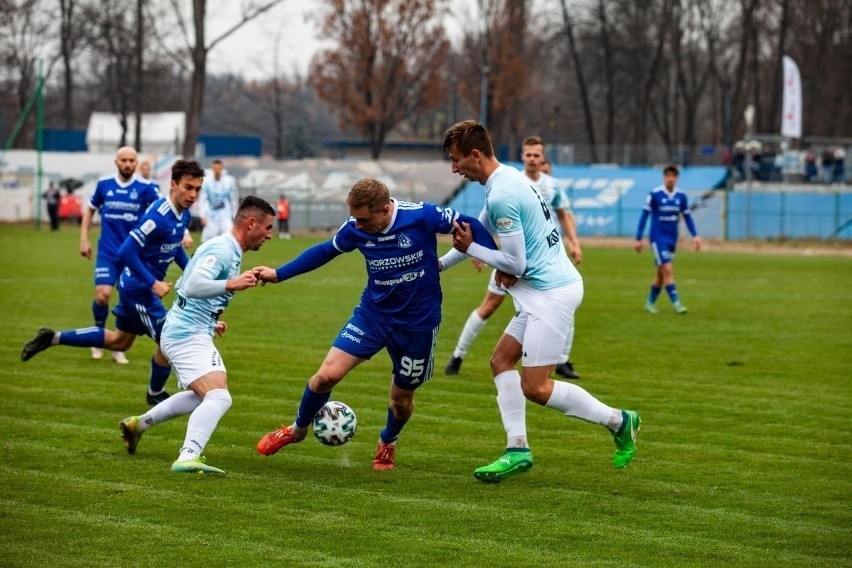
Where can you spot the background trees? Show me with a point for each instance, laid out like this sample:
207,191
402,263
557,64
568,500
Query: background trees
598,73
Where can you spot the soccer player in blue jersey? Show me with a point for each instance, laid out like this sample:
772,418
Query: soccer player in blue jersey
146,255
546,289
532,154
208,283
144,174
121,200
217,203
665,205
400,308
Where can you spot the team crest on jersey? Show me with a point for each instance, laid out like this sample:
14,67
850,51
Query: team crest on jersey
110,193
404,241
504,223
133,194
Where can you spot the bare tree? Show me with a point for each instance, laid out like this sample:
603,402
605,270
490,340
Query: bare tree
386,66
568,23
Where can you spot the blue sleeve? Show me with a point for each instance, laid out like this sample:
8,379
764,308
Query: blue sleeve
181,259
687,217
129,254
481,235
640,230
310,259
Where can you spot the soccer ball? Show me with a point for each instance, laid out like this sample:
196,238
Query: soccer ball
335,424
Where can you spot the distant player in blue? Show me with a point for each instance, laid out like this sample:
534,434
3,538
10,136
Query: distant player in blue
146,255
400,309
664,205
208,283
546,289
121,200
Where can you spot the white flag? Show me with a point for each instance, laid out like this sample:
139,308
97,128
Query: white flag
791,118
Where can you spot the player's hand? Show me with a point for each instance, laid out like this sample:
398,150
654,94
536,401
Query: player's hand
188,241
505,280
247,279
477,264
462,236
161,288
85,249
696,243
221,328
575,252
638,246
265,275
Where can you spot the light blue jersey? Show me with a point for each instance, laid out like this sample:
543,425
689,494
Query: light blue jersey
514,206
219,197
217,259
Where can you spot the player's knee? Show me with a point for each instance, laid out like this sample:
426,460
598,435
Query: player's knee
535,391
324,381
222,396
402,406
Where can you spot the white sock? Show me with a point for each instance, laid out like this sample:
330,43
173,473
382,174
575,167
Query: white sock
203,421
571,400
178,404
472,327
513,408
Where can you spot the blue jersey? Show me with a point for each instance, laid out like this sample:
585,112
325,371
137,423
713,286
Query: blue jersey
665,209
403,286
158,238
121,205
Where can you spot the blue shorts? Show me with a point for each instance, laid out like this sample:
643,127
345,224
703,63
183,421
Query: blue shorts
140,314
107,270
411,351
663,252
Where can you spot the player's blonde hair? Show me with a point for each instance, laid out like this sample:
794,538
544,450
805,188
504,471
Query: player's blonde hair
370,193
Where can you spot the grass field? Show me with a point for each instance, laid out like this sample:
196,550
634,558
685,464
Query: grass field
743,455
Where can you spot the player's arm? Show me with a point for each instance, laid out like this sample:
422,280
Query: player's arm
85,226
569,231
130,254
310,259
690,225
511,259
454,256
640,230
204,281
181,259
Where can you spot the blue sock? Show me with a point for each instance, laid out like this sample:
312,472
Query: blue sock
101,313
310,405
392,428
652,297
671,290
84,337
159,376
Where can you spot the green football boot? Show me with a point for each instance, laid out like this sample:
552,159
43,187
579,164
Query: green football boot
650,308
513,462
625,439
196,465
679,308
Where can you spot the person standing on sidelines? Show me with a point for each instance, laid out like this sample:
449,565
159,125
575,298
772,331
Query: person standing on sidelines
533,156
51,197
218,203
400,309
146,254
208,283
121,200
546,289
664,205
283,208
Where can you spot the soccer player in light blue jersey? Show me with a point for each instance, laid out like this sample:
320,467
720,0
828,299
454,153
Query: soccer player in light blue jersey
146,255
208,283
121,200
532,154
218,202
665,205
400,308
546,289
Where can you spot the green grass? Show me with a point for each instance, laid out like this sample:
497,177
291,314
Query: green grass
743,455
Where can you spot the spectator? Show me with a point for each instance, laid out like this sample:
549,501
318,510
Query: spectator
51,198
839,168
810,167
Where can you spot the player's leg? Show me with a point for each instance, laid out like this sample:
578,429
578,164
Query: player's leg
565,368
656,284
357,341
92,337
667,277
212,389
107,271
475,322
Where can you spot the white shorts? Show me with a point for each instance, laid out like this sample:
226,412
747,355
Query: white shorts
192,358
216,225
493,287
542,321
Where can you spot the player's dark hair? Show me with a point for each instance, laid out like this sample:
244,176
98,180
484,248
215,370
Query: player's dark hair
251,205
532,141
189,168
370,193
671,168
216,161
467,136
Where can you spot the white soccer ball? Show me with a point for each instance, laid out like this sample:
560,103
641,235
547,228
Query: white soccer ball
335,424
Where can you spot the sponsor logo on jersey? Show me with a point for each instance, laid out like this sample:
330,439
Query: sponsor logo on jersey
386,238
347,335
110,193
369,244
396,261
407,277
355,329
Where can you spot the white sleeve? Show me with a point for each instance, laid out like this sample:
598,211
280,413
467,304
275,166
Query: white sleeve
452,258
511,258
200,283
